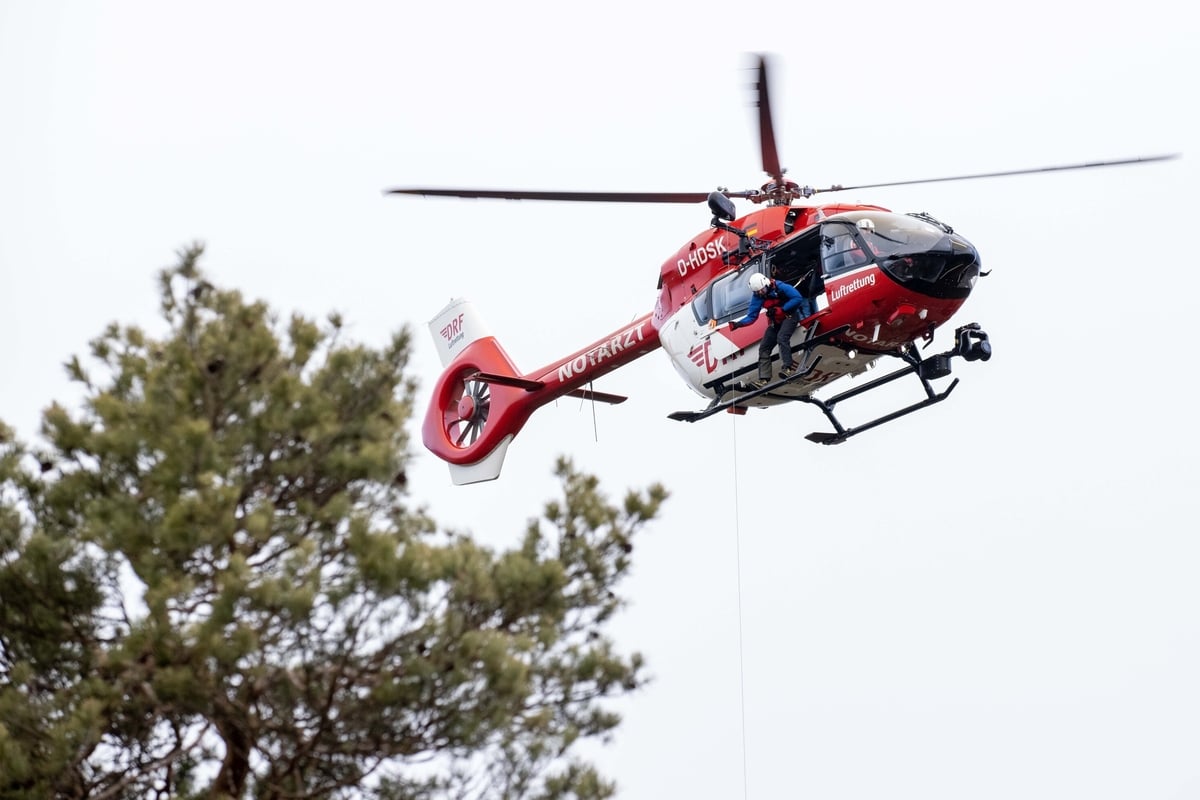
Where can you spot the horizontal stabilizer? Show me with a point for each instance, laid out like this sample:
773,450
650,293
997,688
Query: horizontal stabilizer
599,397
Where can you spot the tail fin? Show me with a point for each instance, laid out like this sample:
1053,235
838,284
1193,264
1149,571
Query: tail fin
472,417
456,327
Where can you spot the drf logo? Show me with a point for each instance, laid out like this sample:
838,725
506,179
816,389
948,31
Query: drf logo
701,357
453,328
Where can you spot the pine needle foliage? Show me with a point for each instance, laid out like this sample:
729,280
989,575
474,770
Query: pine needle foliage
214,584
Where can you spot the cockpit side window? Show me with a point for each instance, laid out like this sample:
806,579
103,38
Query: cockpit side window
840,250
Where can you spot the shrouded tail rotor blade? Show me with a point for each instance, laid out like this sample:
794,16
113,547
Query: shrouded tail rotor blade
483,400
588,197
470,432
766,128
464,430
1060,168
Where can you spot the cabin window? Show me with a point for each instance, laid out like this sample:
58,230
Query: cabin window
701,306
726,298
840,249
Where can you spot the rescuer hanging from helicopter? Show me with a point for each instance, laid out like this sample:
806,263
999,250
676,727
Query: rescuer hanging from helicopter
784,306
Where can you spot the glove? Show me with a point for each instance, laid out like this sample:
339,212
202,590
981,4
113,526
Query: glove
734,325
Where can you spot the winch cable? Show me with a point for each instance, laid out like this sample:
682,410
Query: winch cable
595,426
737,536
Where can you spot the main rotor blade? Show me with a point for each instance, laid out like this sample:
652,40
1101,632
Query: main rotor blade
591,197
1061,168
766,129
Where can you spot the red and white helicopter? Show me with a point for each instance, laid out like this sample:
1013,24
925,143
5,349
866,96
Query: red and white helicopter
881,282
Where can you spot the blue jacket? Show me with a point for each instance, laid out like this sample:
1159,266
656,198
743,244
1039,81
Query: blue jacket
782,293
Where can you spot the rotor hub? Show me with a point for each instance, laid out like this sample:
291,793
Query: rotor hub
467,408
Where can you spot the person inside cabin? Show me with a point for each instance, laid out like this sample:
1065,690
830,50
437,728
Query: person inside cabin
867,228
784,306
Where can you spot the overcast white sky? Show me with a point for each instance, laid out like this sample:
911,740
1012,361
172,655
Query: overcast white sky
993,598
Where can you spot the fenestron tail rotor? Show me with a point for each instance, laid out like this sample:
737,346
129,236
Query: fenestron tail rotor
466,411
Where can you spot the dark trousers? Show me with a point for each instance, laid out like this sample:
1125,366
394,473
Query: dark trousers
777,333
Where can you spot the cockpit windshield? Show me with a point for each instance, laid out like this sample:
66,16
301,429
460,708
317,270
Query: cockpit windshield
887,234
913,249
903,234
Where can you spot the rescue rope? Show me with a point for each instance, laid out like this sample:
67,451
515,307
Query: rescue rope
737,536
583,398
595,427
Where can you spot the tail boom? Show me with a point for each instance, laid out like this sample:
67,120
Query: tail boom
481,401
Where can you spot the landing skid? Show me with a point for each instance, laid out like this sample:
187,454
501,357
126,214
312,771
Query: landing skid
841,434
743,394
970,342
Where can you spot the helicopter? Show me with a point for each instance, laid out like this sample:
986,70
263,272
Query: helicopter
880,282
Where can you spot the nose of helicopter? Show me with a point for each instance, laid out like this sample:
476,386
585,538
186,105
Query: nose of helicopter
947,268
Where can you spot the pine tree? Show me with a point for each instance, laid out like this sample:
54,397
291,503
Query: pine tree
213,584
